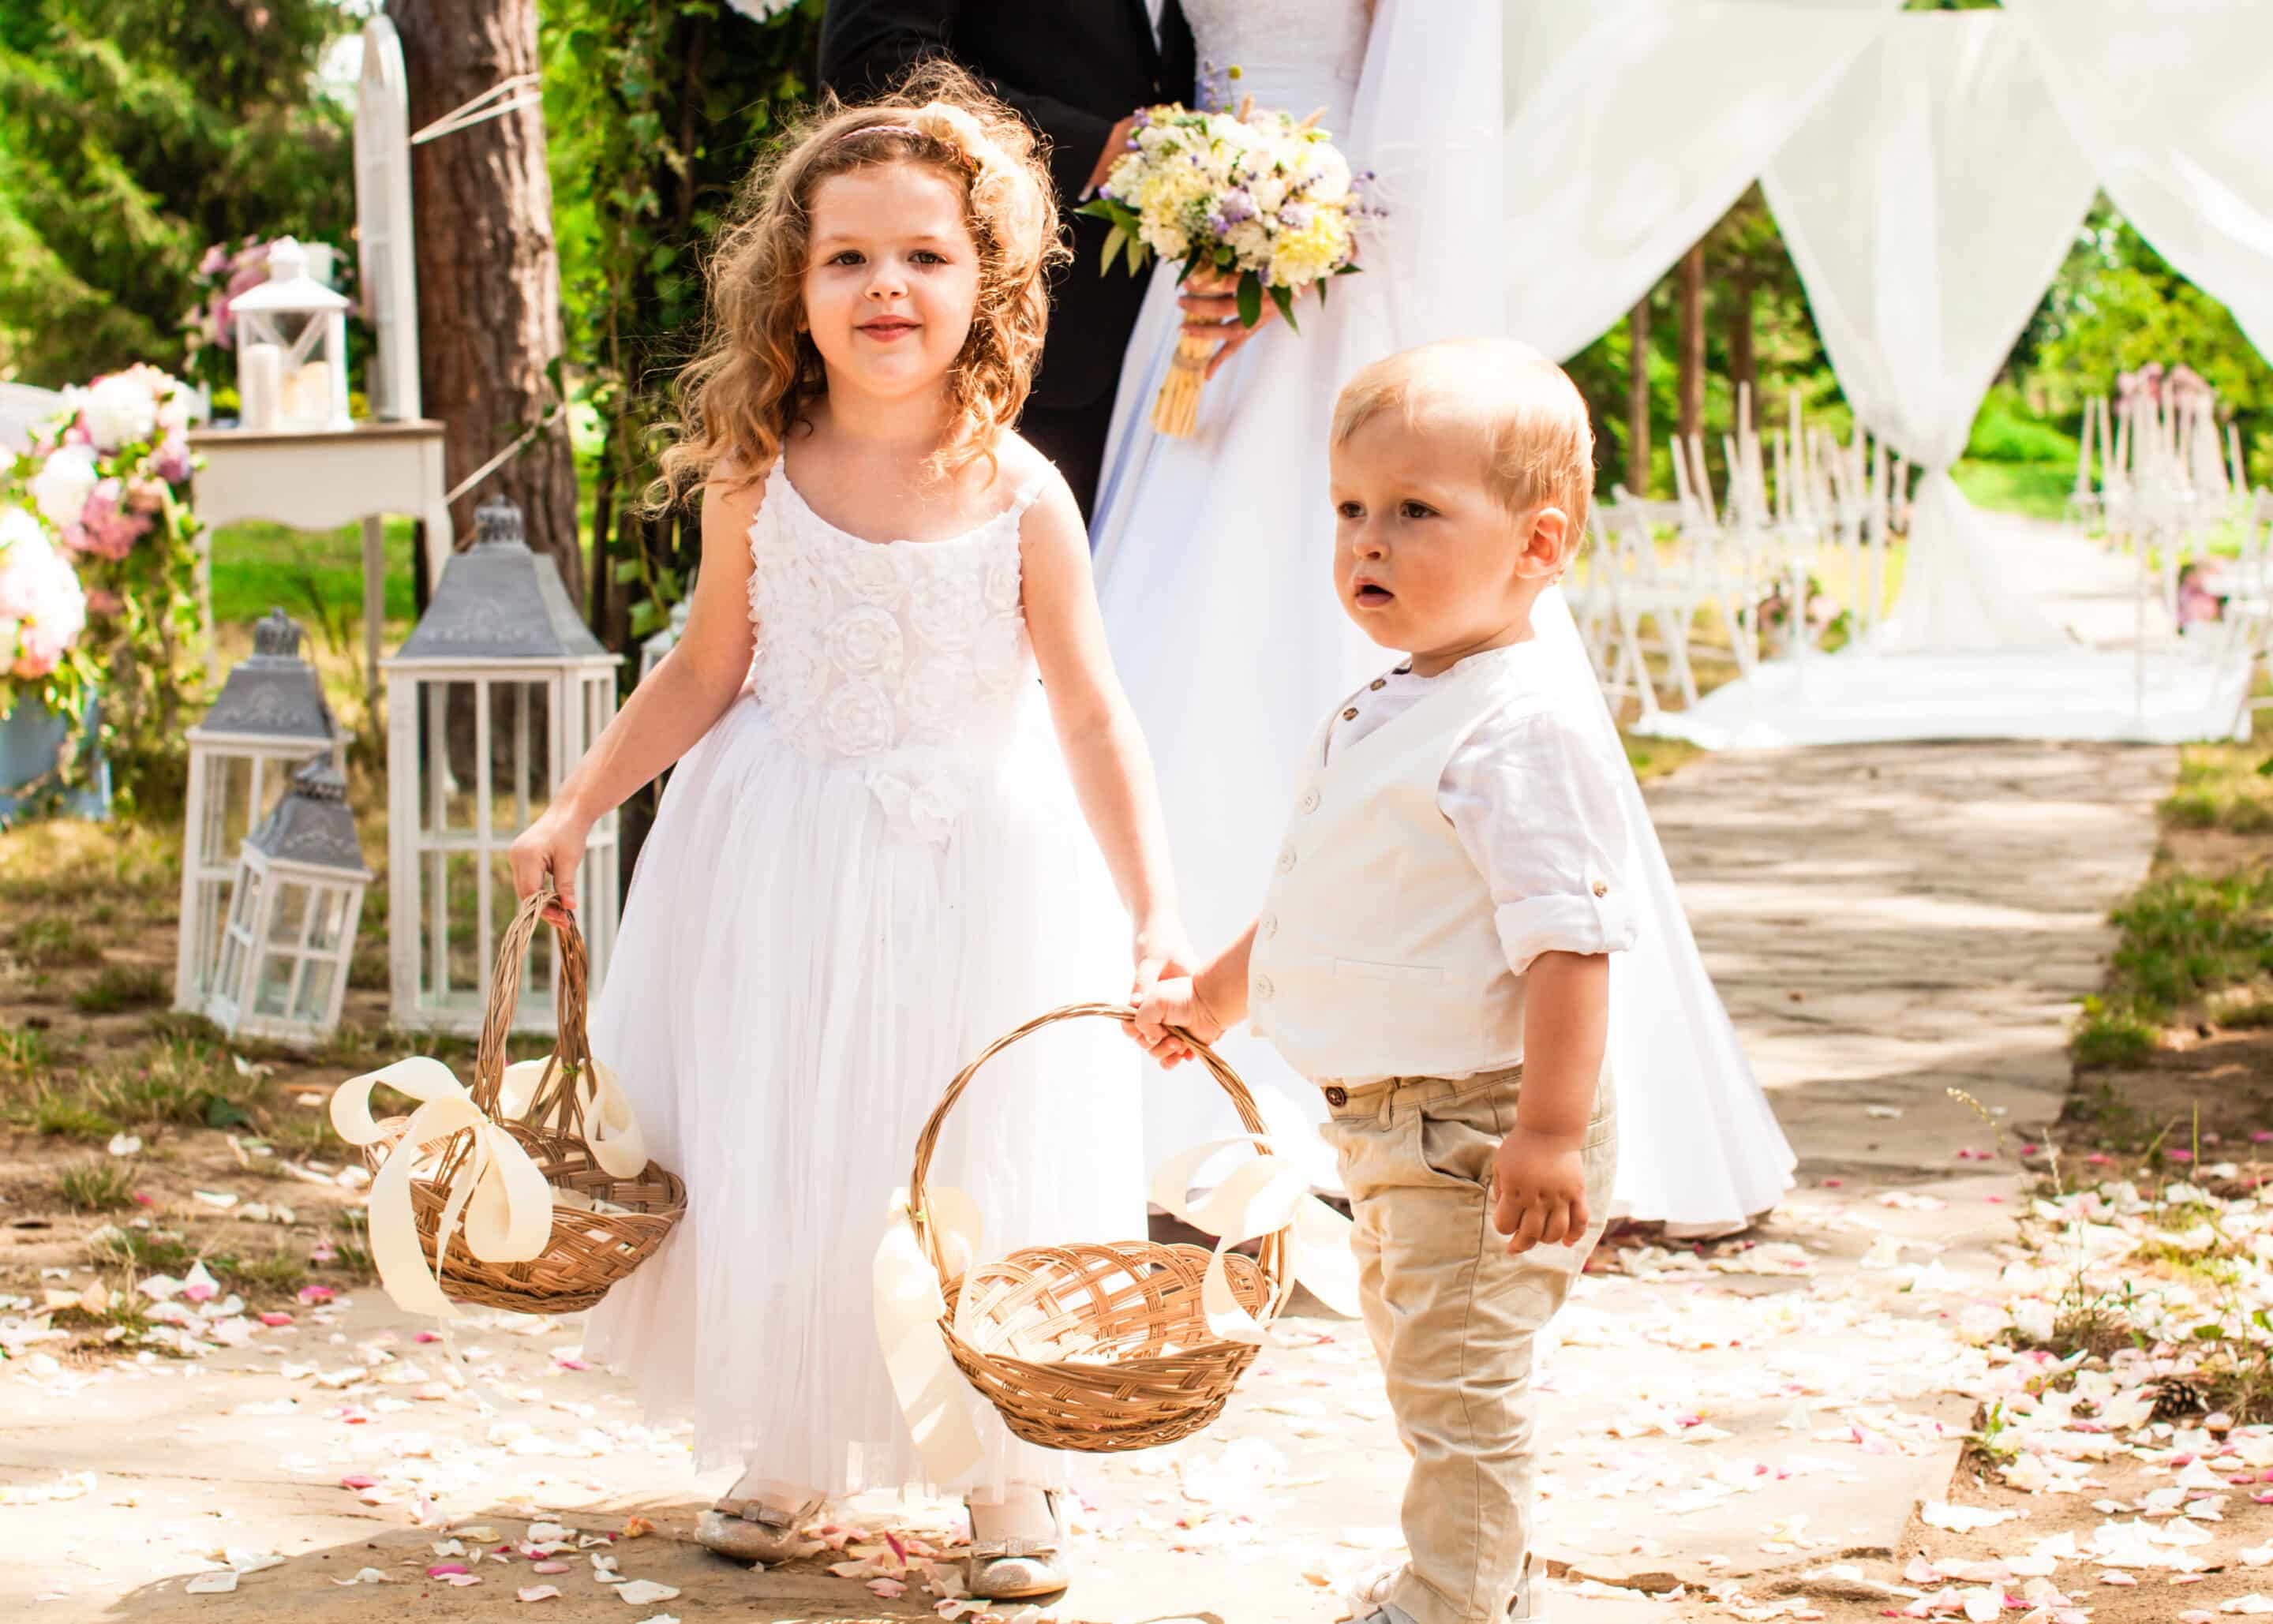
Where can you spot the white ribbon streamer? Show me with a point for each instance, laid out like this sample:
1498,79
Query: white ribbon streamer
610,1129
1261,1195
500,1194
909,1303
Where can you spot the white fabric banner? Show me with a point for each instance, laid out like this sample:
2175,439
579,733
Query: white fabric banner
1927,203
2169,101
1632,125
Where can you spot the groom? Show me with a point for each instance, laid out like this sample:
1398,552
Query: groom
1076,70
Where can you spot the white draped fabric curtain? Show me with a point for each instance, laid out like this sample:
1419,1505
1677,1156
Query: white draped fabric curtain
2168,102
1632,125
1928,202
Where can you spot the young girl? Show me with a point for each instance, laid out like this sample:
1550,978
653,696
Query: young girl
871,859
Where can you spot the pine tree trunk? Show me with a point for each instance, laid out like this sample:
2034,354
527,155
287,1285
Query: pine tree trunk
1693,341
489,277
1637,399
1743,369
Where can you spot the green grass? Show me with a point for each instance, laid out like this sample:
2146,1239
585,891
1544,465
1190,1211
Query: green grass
50,944
2185,935
2112,1037
258,566
58,1116
182,1079
95,1187
2218,785
120,986
2039,489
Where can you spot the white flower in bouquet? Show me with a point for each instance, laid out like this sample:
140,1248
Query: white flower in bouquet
42,607
65,481
120,410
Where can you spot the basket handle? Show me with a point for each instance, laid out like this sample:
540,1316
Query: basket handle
1274,1257
557,1103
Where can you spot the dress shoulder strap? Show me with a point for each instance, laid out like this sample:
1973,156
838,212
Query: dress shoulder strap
1028,494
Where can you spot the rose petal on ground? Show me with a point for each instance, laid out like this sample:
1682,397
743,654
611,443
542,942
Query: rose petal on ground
640,1592
219,1581
537,1592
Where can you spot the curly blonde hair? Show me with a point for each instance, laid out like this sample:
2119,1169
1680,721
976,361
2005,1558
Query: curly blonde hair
758,373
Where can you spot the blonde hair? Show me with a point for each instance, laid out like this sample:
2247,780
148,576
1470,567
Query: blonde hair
758,373
1538,443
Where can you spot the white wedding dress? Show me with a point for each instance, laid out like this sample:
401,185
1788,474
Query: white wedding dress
1214,556
870,868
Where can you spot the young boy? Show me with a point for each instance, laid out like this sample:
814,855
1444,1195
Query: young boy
1433,947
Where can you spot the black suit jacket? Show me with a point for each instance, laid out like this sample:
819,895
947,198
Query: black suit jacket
1074,68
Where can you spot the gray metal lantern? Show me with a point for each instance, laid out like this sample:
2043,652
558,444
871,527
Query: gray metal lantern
270,717
497,694
293,912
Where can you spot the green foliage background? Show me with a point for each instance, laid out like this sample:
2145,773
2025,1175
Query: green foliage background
132,134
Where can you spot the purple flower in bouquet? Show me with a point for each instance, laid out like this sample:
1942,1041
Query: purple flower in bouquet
171,460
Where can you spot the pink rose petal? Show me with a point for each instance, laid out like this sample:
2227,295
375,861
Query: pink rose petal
443,1571
274,1321
537,1592
548,1565
358,1483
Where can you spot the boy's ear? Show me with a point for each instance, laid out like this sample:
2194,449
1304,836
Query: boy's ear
1547,546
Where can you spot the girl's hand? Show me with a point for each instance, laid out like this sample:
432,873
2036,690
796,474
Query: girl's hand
1175,1003
1539,1188
1211,304
552,847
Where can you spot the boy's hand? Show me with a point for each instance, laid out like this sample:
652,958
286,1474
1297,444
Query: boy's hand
1539,1184
1172,1003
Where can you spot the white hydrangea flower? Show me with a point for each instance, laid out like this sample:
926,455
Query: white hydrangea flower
65,481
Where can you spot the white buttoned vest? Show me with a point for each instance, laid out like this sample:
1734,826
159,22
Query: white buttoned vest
1377,954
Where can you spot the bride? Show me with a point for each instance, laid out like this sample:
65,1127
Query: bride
1213,556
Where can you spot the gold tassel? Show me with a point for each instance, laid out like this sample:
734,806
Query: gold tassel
1176,408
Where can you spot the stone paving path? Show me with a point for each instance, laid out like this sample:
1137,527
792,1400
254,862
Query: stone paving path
1884,923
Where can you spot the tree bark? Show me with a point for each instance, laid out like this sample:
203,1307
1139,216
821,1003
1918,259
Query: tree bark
488,277
1637,399
1743,369
1693,341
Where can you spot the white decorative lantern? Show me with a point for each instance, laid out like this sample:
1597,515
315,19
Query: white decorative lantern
270,717
495,697
651,652
291,349
293,912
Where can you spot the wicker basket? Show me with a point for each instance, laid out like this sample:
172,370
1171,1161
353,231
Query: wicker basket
589,1251
1098,1347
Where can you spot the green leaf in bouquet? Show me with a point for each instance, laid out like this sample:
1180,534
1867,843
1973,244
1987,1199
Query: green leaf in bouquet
1285,301
1115,240
1251,298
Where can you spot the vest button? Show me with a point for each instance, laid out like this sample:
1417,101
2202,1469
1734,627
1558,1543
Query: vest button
1337,1096
1600,890
1269,926
1264,990
1310,800
1286,861
1350,715
1378,684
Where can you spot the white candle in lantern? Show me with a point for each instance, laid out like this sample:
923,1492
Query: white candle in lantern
308,396
261,385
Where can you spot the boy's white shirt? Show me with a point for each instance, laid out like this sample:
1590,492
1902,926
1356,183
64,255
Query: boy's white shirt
1422,875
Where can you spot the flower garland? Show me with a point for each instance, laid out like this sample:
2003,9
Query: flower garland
104,490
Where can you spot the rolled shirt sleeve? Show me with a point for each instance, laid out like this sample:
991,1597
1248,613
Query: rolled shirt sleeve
1536,806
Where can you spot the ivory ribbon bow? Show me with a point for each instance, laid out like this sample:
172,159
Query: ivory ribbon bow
1262,1194
910,1302
502,1196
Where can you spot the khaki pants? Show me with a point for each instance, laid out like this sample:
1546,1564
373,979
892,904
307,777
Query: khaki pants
1453,1319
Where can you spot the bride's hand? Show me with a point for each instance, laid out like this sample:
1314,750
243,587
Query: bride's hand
1116,147
1211,303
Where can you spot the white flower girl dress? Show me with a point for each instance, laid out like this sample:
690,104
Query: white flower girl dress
871,867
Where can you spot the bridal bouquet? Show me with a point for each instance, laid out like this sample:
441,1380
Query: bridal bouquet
1259,196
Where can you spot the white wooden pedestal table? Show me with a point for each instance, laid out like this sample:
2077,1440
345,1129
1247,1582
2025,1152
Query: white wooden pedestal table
321,481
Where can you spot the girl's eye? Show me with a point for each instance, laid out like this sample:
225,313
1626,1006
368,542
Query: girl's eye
924,256
851,256
1416,510
1351,510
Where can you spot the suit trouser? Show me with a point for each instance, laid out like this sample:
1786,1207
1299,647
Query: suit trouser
1454,1320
